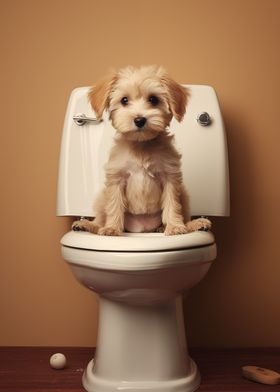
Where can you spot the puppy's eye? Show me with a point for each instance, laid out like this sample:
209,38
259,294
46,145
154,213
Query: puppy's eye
124,101
153,100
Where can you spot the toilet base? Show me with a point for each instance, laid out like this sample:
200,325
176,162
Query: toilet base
141,347
93,383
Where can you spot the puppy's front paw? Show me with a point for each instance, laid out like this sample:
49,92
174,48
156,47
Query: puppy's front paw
175,230
109,231
201,224
85,225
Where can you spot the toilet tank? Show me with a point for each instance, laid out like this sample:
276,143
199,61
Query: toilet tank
85,149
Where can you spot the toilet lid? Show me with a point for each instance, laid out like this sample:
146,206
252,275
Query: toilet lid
137,242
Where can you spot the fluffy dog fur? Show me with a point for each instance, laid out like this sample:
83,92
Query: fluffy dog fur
143,190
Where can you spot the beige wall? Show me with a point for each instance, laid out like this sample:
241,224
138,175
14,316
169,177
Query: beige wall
51,47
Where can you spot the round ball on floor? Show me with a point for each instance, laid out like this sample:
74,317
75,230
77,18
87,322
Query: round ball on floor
58,361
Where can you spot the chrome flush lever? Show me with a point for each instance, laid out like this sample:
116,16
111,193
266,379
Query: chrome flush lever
81,119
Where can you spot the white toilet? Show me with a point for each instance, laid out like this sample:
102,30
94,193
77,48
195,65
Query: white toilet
140,278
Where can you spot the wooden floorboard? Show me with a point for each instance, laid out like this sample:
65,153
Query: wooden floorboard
25,369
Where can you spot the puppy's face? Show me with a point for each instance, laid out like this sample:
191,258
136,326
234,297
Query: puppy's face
141,102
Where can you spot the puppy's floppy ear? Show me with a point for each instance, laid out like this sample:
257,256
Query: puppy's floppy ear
177,97
99,94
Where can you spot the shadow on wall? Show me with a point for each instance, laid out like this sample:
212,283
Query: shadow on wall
218,293
237,231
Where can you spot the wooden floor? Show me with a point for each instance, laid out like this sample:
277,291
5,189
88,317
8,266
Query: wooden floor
27,369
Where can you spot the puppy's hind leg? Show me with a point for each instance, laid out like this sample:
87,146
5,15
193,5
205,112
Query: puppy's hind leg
92,226
85,225
199,224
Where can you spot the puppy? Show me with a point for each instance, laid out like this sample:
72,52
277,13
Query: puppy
143,190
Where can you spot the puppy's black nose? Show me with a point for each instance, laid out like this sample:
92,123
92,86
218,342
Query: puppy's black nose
140,121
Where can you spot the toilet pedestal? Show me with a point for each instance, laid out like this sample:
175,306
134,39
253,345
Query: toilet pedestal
141,348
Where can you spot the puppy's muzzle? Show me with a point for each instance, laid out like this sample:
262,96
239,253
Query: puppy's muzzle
140,122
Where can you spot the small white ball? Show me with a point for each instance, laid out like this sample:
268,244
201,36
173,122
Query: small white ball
58,361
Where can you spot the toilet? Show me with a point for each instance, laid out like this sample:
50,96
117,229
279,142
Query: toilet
141,277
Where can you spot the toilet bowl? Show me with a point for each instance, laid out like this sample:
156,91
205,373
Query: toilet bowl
140,278
141,341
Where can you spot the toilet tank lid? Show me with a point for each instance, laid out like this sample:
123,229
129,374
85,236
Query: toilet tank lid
137,242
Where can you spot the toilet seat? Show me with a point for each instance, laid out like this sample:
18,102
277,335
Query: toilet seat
138,252
137,242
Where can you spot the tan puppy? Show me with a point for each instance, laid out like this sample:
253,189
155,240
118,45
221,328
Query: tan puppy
143,190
